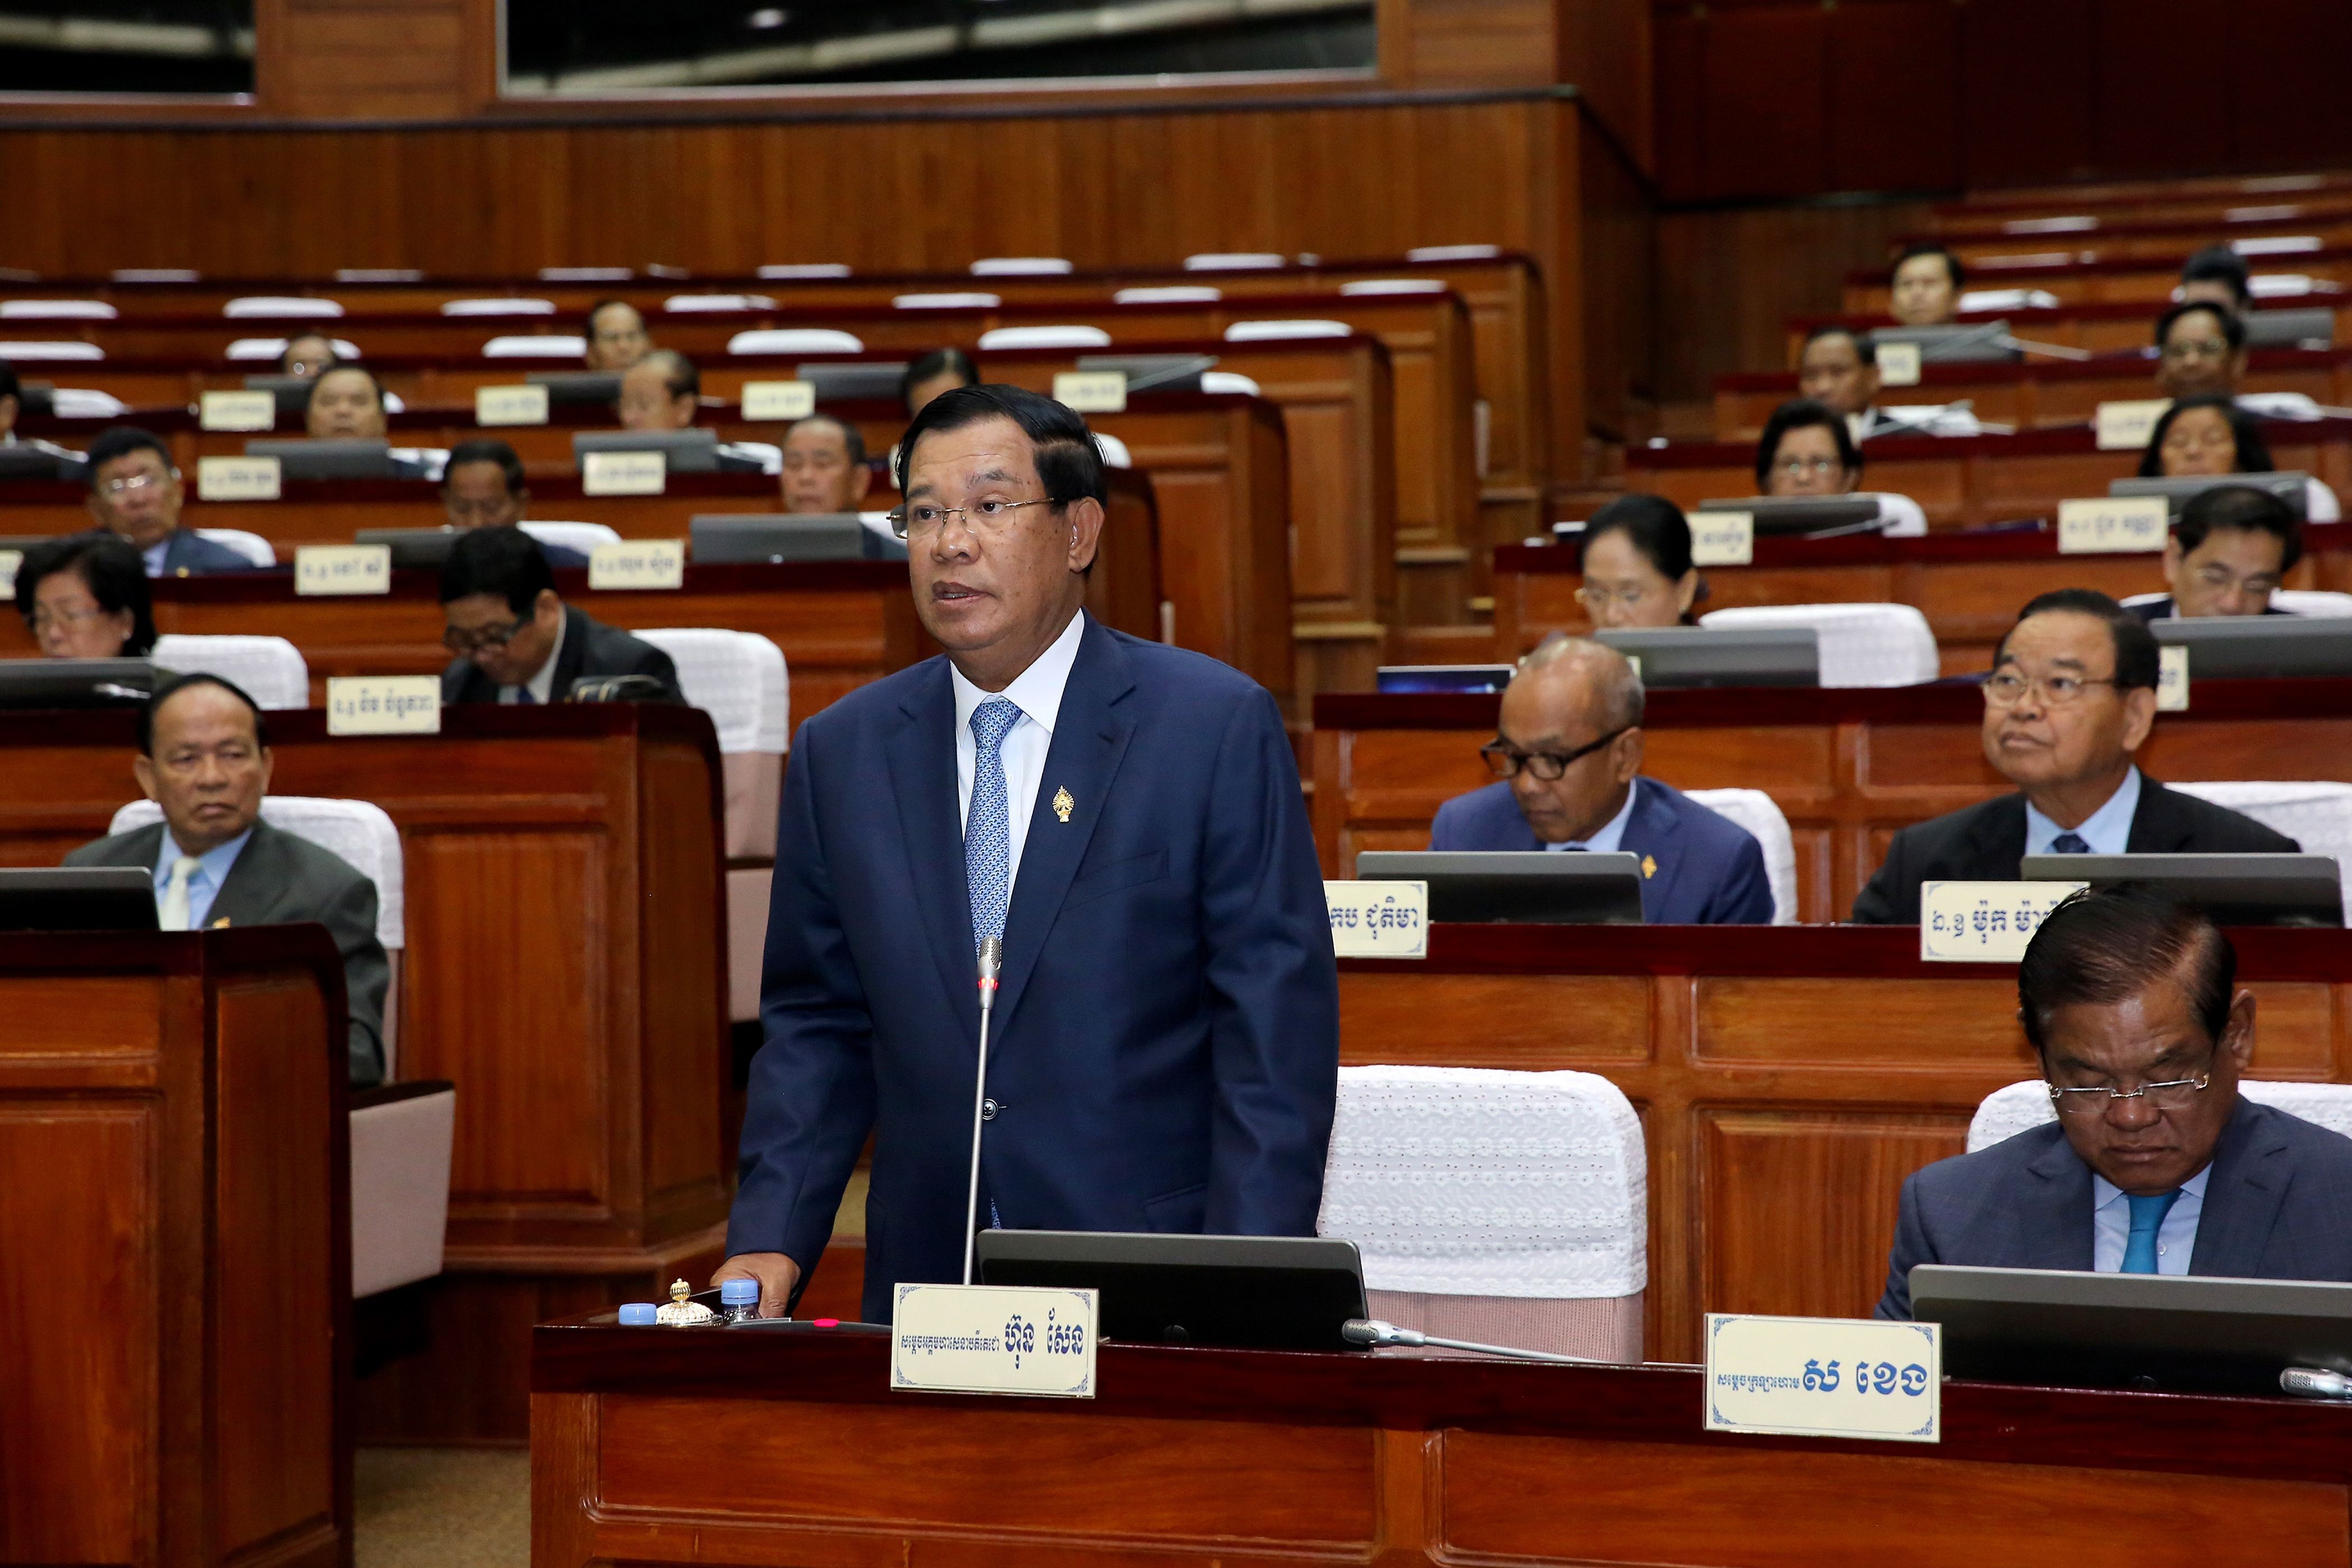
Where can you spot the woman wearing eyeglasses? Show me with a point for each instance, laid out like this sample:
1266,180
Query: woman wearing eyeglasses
84,596
2210,434
1635,559
1807,451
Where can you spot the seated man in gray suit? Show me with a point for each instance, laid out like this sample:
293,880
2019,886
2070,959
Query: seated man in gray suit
203,757
2071,696
515,639
2155,1166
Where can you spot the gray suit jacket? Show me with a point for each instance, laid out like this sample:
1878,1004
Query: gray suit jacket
2274,1207
280,879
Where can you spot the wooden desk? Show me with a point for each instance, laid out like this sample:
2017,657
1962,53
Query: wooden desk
175,1218
2125,326
2136,237
662,1445
1969,586
2051,262
565,968
1846,767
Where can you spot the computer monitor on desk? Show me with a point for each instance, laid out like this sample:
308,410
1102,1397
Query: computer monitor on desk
1519,887
853,382
341,458
2258,647
1702,656
1154,373
1474,678
1237,1292
693,450
2234,890
1805,516
424,547
2288,484
823,536
291,392
35,683
574,387
78,898
1981,342
2304,326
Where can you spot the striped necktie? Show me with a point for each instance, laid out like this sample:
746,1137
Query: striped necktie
988,825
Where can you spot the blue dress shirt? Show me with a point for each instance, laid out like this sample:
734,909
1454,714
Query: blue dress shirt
205,881
2175,1239
2106,830
1611,833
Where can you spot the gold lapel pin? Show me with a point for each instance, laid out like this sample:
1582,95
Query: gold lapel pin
1064,805
1649,866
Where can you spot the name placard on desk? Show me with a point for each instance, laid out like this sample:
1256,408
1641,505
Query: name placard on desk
2171,678
525,405
1379,920
383,705
9,561
624,474
342,569
237,478
778,399
639,563
1091,391
1723,538
237,411
1825,1377
994,1339
2128,424
2111,525
1984,923
1898,364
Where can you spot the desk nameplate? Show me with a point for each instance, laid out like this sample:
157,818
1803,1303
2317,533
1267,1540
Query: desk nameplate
639,563
342,569
1984,923
1723,538
383,705
624,474
994,1339
1379,920
1824,1377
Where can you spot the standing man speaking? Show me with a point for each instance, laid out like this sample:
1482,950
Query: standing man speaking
1163,1054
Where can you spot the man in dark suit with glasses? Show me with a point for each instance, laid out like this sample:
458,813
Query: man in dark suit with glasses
516,641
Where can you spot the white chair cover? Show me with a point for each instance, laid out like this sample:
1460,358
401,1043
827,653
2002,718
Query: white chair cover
271,348
803,272
252,546
946,301
1862,645
378,275
21,353
281,307
400,1189
1755,811
1900,517
584,537
585,274
691,304
2296,405
795,341
2320,503
550,346
1235,260
1170,294
2021,1107
357,830
86,402
270,670
737,678
1429,253
156,275
1976,299
1376,286
2318,815
1022,266
1277,331
2311,601
1115,454
1044,337
57,310
1229,383
498,307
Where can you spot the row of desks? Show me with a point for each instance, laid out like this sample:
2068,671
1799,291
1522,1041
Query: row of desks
2050,263
2101,327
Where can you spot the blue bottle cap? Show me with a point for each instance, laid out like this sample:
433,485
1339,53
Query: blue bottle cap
638,1312
739,1293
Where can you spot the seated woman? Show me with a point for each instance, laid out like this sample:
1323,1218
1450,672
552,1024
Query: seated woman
2228,550
1807,451
2211,435
84,596
1635,556
941,370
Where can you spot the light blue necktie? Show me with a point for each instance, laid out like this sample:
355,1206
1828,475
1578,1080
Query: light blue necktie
2069,844
2146,1219
988,826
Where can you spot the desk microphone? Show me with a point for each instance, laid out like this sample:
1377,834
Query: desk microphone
2316,1383
991,959
1372,1331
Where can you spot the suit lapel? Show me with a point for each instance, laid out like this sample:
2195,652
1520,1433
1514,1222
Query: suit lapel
2158,825
1650,833
923,780
1997,839
2054,1218
1090,737
244,896
572,656
2242,1197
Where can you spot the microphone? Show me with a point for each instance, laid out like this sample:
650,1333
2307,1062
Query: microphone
1372,1331
2312,1382
991,960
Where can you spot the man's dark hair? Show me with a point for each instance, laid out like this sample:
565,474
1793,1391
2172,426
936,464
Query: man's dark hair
339,368
939,362
179,683
679,374
2104,945
9,385
109,566
502,560
2219,264
485,451
2253,452
1865,347
849,435
2135,656
2233,331
1958,274
2244,507
120,442
1069,461
1800,414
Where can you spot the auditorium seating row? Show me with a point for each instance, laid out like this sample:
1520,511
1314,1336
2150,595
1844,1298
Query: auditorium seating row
2102,327
2057,269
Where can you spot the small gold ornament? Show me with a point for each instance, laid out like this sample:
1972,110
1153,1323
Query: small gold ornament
1064,805
1649,866
682,1310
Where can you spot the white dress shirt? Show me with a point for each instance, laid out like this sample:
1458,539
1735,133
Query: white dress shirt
2176,1239
543,685
1037,692
2106,830
1613,833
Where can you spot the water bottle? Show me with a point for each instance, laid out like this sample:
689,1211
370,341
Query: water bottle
738,1299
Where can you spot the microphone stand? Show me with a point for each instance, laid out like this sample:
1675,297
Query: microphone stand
991,960
1373,1332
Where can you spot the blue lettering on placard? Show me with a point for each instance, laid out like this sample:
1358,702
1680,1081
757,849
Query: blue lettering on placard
1020,1338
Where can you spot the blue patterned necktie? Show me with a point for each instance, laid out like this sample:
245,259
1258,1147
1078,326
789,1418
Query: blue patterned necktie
2146,1219
988,825
2069,844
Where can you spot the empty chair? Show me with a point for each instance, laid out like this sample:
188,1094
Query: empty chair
1022,266
584,537
803,272
57,310
2021,1107
2318,815
1170,294
1044,337
1234,260
272,349
1508,1207
22,353
1426,254
498,307
1755,811
1275,331
1376,286
946,302
795,341
270,670
549,345
690,304
1862,645
252,546
282,307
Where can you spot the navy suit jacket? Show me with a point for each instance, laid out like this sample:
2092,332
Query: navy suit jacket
1165,1048
1710,871
2274,1207
191,554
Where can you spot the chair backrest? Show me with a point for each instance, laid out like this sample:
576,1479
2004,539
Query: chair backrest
694,304
252,546
1170,294
1377,286
795,341
270,670
1022,266
803,272
1073,337
1755,811
400,1154
1231,384
357,830
540,345
498,307
2318,815
2317,602
584,537
1473,1181
1974,300
1234,260
737,678
1900,517
2021,1107
281,307
86,402
1430,253
1862,645
245,348
1115,453
19,353
57,310
1279,332
946,301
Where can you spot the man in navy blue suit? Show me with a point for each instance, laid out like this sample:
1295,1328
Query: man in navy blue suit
1568,753
1163,1054
2155,1164
134,492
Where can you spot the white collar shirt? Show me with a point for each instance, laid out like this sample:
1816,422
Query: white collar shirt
543,685
1037,692
2106,830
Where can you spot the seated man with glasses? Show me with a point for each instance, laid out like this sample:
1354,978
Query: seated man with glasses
135,492
484,486
1569,755
2155,1164
2228,550
2071,696
516,640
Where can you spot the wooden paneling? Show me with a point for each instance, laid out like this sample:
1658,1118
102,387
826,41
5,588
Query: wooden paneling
2054,140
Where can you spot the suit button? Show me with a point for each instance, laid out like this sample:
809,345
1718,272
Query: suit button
988,1110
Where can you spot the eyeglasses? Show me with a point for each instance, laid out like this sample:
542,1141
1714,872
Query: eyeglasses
1505,760
2201,348
2172,1094
130,482
1598,599
1798,467
463,644
2220,579
989,517
2007,688
43,617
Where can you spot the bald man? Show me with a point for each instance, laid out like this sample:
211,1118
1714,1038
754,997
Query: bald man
1567,757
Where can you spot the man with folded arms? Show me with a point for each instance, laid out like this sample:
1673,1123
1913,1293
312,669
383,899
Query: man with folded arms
2155,1164
2071,696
